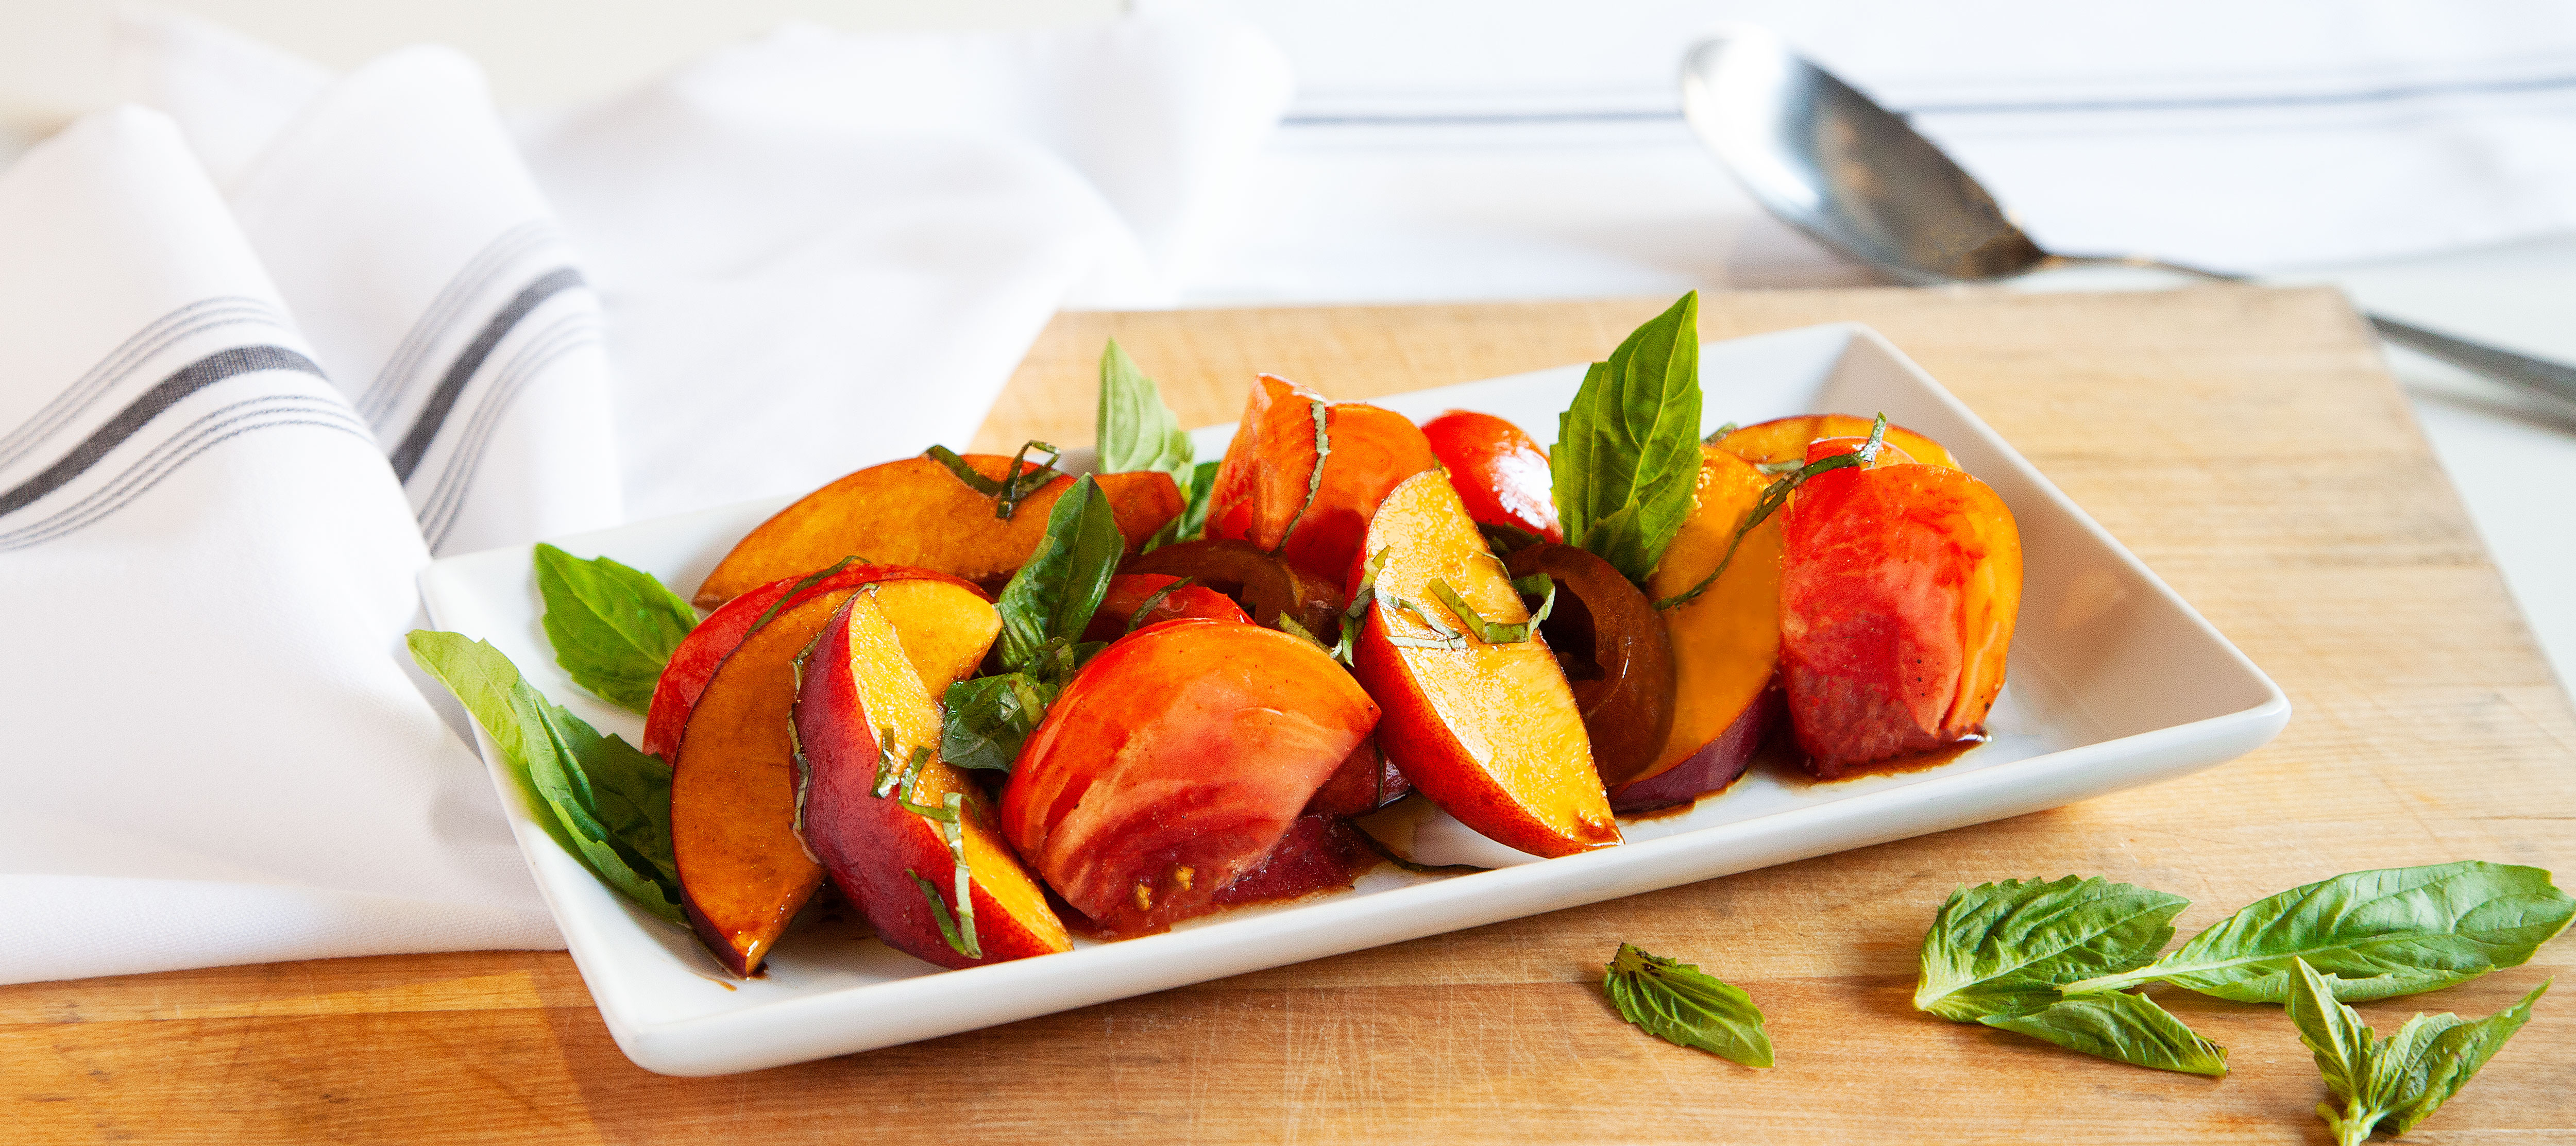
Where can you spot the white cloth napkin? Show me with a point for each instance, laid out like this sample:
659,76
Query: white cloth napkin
215,755
246,392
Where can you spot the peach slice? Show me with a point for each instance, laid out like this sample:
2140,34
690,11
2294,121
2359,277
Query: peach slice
1129,592
1176,761
1897,599
685,675
915,512
1726,641
1261,491
1500,472
1616,656
1489,731
1784,440
743,872
906,836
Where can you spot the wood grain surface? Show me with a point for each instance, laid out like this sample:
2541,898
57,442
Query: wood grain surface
2246,443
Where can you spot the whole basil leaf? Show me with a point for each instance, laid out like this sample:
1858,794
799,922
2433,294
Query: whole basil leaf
2398,1081
1050,600
1681,1004
1136,430
613,628
596,796
1627,451
2118,1026
2393,931
985,720
2001,947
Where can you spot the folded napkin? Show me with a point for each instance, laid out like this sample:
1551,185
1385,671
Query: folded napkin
261,356
215,754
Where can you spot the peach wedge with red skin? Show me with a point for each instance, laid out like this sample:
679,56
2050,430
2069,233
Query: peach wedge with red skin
1897,599
743,872
894,834
1490,732
1725,641
1177,760
1262,488
915,512
695,661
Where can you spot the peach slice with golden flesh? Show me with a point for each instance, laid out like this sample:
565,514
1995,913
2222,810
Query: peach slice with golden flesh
743,873
1176,761
1262,489
1784,440
906,836
1897,597
685,675
1725,641
1490,732
1500,472
1616,657
915,512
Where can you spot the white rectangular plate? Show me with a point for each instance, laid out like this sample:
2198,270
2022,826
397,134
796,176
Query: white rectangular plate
2115,682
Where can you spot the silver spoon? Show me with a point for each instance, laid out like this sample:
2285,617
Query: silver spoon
1857,178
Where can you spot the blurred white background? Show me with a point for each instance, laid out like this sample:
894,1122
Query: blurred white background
2421,156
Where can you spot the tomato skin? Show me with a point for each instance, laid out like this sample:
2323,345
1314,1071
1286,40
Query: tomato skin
1500,472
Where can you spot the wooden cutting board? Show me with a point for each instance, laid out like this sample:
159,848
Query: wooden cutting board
2246,443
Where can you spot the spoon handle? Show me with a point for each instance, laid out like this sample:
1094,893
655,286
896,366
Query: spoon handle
2553,380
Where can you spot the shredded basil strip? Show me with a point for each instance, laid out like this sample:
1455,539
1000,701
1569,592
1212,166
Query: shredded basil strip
1157,598
1015,484
961,942
1314,481
1773,497
1495,632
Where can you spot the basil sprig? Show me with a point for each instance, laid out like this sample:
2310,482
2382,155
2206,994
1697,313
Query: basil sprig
613,627
2394,931
1683,1005
1044,609
2397,1081
603,801
1136,430
1627,451
1997,952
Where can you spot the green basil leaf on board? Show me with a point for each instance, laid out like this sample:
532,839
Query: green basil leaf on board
1136,430
984,721
1681,1004
1050,600
2396,1082
612,627
598,797
2393,931
1627,451
2118,1026
2007,946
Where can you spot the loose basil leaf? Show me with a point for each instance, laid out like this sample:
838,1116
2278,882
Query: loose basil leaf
2399,1081
986,720
1136,430
2393,931
2118,1026
1627,450
1051,599
2002,947
596,796
613,628
1681,1004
